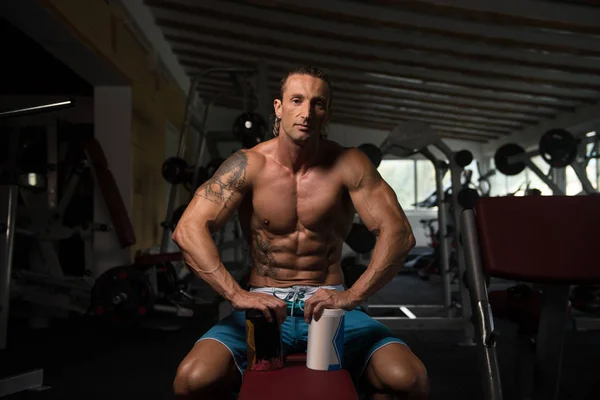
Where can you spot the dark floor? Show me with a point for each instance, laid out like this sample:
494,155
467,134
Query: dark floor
82,361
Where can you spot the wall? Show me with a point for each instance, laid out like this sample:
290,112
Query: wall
155,101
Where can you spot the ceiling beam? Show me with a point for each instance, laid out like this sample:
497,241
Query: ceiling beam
385,122
364,98
405,39
178,22
188,44
503,124
498,99
561,15
382,110
364,13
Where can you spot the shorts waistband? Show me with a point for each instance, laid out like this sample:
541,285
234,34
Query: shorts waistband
295,296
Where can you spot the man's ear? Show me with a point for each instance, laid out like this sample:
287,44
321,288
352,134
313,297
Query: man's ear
277,107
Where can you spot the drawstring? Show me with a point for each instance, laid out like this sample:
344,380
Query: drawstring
297,295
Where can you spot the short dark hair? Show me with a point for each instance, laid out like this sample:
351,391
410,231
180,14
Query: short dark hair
306,70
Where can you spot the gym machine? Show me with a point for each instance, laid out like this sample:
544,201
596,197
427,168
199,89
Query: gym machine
560,149
9,195
524,257
404,140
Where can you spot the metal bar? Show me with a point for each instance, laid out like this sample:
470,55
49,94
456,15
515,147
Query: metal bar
581,173
550,341
36,109
52,163
440,170
19,383
407,305
582,323
484,320
8,204
455,173
557,191
164,244
399,323
9,193
70,189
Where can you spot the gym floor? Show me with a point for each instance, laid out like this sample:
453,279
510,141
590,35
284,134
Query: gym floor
85,362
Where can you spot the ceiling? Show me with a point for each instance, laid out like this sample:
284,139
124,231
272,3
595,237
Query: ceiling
474,70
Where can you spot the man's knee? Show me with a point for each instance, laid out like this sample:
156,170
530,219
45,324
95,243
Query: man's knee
395,369
196,379
409,378
192,379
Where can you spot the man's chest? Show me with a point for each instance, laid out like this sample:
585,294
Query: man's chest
315,202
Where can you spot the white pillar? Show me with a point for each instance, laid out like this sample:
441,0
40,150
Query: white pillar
112,129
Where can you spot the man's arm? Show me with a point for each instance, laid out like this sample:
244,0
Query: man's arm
378,208
214,203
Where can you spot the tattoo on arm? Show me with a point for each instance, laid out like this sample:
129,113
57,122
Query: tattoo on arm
228,179
375,232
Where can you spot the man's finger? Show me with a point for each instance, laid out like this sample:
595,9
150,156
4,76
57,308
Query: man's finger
281,311
266,312
308,309
319,308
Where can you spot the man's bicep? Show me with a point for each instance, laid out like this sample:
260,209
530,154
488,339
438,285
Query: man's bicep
217,199
377,205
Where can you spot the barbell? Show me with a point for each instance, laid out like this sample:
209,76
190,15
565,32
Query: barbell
558,147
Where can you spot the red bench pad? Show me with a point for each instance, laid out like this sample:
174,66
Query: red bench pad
296,382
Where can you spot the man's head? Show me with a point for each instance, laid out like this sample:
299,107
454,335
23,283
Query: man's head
304,104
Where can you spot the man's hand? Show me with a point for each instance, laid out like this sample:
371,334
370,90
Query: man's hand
266,303
325,298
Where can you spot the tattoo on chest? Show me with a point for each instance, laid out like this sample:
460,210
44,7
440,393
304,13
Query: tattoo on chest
228,179
262,255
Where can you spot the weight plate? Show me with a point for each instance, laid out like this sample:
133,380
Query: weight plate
503,154
558,148
121,296
463,158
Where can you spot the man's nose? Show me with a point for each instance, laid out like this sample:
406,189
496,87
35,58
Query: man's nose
306,111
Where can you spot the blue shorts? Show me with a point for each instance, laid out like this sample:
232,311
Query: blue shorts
363,336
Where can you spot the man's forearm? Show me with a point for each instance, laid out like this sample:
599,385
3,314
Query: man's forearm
202,256
388,258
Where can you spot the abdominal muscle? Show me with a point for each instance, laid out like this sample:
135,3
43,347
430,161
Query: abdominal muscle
295,259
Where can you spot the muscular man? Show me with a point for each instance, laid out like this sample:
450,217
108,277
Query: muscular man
297,195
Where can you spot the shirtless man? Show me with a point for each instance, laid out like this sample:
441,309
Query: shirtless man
297,195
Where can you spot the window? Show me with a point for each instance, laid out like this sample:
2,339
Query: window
413,181
535,182
400,175
593,167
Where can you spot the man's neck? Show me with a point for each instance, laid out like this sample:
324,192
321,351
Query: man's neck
298,158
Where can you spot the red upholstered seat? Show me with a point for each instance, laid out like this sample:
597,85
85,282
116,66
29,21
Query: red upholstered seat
296,358
296,382
540,239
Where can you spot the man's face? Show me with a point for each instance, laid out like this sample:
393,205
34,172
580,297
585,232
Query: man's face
304,108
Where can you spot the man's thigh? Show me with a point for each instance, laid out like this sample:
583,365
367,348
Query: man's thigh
363,336
231,333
